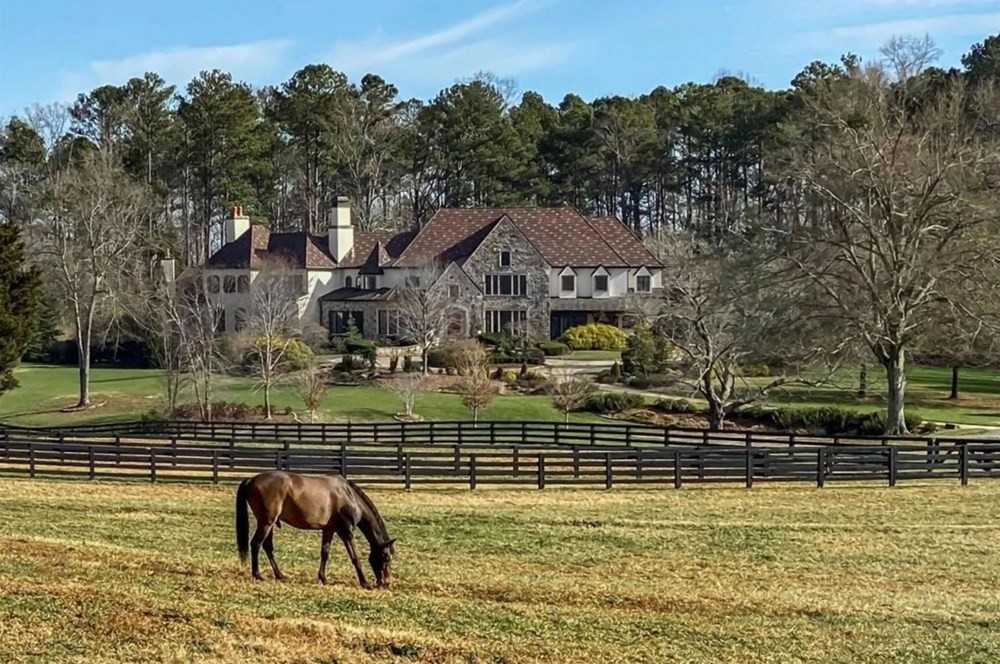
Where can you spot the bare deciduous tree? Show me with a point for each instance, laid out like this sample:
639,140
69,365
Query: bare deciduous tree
89,238
569,392
908,212
407,386
475,387
423,310
272,322
311,387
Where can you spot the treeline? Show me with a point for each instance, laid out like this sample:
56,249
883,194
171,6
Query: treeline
697,157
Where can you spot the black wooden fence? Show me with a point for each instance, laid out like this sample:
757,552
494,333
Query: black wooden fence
459,453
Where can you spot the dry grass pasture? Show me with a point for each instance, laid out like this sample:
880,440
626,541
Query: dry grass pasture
114,572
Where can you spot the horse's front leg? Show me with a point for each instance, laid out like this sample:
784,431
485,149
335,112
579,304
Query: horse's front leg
347,535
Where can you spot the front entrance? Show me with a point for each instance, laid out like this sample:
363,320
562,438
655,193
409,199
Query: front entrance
563,320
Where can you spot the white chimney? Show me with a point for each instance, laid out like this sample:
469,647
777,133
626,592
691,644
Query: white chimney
237,224
340,230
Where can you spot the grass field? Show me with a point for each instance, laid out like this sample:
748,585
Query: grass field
102,572
127,394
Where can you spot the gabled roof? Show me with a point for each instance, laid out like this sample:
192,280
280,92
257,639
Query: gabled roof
305,250
561,235
626,243
359,295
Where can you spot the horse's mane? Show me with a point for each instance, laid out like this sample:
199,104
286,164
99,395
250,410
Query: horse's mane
379,524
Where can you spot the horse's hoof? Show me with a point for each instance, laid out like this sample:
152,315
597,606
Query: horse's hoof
321,580
366,586
279,578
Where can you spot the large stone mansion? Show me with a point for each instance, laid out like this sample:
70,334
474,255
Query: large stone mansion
536,271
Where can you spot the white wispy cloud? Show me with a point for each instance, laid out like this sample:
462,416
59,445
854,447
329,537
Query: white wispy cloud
179,65
487,41
870,35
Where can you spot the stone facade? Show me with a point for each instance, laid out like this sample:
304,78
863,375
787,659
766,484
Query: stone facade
524,260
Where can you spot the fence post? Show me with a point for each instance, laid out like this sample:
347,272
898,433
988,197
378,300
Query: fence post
628,435
893,465
677,469
349,430
432,432
152,465
90,461
666,437
608,479
215,466
541,471
288,454
493,432
749,465
820,467
472,472
555,436
748,439
232,451
576,462
173,451
963,464
31,459
638,464
406,471
118,449
457,458
277,459
517,461
343,459
593,434
399,458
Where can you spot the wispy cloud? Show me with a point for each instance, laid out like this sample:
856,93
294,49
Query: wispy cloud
870,35
180,65
486,41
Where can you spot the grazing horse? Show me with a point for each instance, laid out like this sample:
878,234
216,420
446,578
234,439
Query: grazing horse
328,503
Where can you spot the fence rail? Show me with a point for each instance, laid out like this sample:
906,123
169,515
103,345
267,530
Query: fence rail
227,454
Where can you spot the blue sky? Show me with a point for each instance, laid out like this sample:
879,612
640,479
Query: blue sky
52,49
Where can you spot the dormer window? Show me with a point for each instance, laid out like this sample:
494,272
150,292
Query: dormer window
643,284
601,283
504,259
367,282
348,282
568,282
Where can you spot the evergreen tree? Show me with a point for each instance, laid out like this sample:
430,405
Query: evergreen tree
20,294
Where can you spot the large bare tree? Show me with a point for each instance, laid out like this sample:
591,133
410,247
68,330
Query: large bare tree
273,322
423,307
90,241
905,187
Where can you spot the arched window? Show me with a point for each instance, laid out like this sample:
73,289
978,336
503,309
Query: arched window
213,283
348,282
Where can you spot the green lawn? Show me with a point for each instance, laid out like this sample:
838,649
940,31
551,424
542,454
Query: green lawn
127,394
112,572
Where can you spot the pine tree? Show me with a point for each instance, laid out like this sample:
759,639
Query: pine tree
20,295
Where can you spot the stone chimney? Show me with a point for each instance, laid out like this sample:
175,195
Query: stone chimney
340,230
237,224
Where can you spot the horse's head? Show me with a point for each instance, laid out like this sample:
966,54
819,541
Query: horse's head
380,559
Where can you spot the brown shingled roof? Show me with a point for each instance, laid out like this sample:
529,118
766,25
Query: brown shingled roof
626,243
304,250
562,235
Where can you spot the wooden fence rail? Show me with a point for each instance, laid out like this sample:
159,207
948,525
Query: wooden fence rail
495,463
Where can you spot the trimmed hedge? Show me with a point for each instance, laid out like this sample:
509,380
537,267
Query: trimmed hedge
612,402
594,336
553,348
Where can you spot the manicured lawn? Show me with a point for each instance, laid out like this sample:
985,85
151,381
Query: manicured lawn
127,394
103,572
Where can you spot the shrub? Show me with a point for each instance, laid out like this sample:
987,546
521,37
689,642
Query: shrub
532,382
612,402
393,363
679,406
828,419
553,348
442,357
616,372
350,363
297,355
498,374
638,382
595,336
408,364
758,370
524,369
534,356
509,376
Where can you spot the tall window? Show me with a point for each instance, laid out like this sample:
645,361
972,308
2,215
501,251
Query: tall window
243,283
601,283
509,322
643,284
454,291
339,321
229,283
240,320
213,284
388,322
506,284
568,282
504,259
348,282
367,282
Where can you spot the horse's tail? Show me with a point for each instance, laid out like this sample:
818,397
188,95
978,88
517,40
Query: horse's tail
243,520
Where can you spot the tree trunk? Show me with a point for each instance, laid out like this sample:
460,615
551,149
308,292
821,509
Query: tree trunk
954,383
716,415
863,382
423,360
267,400
84,366
894,362
475,415
566,417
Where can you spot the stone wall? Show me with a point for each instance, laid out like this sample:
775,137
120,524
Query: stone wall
524,260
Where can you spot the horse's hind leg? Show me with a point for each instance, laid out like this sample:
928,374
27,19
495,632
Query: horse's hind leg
269,550
262,535
347,534
324,554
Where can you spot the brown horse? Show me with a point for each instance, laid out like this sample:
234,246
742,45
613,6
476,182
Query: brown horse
328,503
